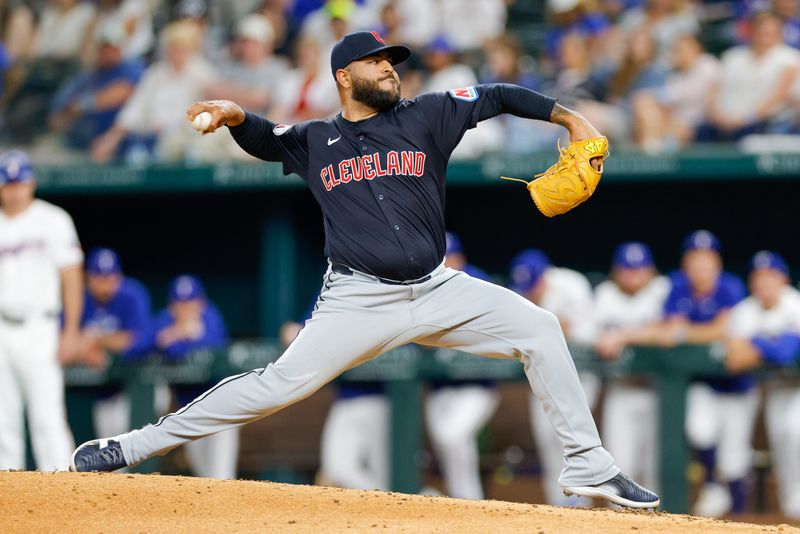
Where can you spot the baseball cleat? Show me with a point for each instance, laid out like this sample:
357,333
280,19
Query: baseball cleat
98,455
619,490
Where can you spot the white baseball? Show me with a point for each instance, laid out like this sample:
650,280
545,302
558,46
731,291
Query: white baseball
202,121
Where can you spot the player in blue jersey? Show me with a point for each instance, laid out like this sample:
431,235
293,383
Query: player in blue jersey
191,322
378,171
721,412
116,321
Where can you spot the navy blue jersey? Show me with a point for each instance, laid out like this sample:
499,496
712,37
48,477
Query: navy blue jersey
380,181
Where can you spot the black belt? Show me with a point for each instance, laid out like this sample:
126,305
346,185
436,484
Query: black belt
341,268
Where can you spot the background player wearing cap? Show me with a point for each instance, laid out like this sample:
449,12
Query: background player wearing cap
765,327
633,297
191,322
40,274
456,411
568,295
377,170
116,321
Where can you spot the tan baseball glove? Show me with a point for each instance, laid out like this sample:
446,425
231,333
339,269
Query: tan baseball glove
572,180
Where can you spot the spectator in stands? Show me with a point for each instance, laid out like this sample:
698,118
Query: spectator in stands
190,323
213,35
568,295
307,91
17,29
766,328
447,73
419,23
573,17
755,84
393,24
152,124
60,37
278,13
331,22
250,75
633,297
135,19
467,24
665,21
789,13
614,86
116,322
666,118
87,105
457,410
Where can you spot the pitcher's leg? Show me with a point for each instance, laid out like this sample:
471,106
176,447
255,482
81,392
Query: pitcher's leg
482,318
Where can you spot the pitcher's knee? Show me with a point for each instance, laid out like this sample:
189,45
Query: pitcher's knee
283,387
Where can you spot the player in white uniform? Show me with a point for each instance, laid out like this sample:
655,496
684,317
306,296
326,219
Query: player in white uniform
40,273
633,297
567,294
765,327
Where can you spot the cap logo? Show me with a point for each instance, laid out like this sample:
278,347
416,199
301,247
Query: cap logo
184,288
634,255
378,37
521,275
13,169
106,261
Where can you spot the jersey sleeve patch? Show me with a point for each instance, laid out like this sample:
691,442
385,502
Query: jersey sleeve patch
467,94
281,129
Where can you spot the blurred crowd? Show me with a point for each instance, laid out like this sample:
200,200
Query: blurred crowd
108,80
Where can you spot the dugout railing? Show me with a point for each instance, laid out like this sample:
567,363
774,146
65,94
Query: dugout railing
404,370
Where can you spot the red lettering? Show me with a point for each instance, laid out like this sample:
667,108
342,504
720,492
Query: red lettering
376,158
324,176
344,171
408,162
419,164
392,163
369,172
334,178
356,168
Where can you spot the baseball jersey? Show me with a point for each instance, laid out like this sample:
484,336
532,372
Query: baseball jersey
380,181
729,291
775,331
613,308
568,295
35,246
214,333
128,310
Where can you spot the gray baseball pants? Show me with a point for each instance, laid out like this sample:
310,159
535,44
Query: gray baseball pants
359,318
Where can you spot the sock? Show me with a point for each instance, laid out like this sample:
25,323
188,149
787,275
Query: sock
739,492
708,457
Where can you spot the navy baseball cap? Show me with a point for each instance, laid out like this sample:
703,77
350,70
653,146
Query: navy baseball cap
632,255
527,269
766,259
362,44
452,244
701,240
16,167
103,261
186,287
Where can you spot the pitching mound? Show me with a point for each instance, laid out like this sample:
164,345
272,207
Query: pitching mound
70,502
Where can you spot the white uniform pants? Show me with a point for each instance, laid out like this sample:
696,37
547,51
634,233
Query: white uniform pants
549,446
724,421
32,381
783,428
454,416
355,445
359,318
630,429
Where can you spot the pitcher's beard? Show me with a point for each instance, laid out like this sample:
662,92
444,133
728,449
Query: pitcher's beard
372,95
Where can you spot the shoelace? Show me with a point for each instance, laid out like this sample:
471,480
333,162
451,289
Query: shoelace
112,455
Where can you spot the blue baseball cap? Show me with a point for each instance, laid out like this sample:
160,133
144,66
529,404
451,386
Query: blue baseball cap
103,261
766,259
632,255
452,244
701,240
441,44
527,269
362,44
186,287
16,167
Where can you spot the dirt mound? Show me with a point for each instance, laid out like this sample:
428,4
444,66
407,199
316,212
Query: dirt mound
88,502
